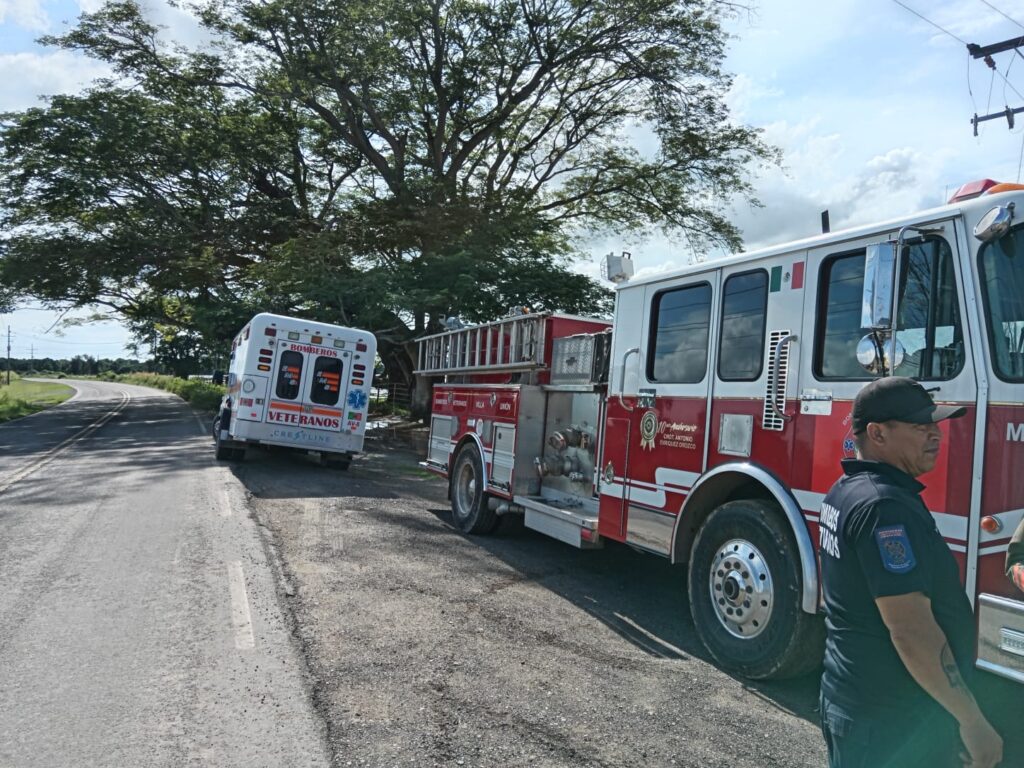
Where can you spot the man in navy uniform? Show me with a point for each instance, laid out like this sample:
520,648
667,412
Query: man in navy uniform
900,632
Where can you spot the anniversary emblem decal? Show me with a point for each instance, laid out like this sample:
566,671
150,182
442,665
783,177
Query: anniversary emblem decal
648,429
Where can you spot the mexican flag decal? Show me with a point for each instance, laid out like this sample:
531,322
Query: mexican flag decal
791,279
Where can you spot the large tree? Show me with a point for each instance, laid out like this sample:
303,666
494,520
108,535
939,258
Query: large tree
385,163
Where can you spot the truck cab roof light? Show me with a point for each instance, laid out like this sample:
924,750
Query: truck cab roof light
360,347
270,331
972,189
316,340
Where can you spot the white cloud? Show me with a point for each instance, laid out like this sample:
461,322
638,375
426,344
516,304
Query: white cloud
28,14
28,76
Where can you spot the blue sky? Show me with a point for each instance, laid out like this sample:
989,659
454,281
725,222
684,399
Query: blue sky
870,104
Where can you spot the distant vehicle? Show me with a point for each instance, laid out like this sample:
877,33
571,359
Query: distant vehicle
297,384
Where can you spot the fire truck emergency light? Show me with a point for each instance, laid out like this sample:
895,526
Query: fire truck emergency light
618,269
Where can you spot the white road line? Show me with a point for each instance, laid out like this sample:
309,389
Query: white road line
55,452
225,501
241,619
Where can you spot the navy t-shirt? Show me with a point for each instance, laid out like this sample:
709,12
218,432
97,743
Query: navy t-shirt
878,539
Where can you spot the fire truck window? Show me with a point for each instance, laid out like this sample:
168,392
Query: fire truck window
843,279
741,345
679,336
1002,278
929,313
326,381
289,373
928,324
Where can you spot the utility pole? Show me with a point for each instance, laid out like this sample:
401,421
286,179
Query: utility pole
985,52
8,354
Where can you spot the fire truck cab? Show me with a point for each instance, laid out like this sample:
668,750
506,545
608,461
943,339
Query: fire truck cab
297,384
708,423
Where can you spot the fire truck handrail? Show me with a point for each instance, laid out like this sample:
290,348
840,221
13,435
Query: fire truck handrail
775,378
622,377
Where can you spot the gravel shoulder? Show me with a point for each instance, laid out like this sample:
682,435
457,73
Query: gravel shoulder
428,647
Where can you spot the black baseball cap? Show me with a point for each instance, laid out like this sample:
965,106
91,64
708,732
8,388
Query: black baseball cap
897,398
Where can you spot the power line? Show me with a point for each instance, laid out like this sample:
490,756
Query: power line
929,21
1009,18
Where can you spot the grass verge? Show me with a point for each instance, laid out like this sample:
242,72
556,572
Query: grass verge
24,397
200,394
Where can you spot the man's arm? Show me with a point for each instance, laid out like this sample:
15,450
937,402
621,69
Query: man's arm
922,646
1015,557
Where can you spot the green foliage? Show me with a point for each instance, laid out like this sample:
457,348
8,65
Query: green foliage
199,394
378,164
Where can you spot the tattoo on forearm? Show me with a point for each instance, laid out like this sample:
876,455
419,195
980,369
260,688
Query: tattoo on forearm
956,682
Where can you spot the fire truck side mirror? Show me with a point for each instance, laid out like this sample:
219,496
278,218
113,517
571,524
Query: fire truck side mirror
218,378
879,280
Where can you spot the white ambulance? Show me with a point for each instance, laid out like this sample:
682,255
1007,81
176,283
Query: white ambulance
298,384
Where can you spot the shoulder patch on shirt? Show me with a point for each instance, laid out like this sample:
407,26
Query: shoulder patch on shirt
894,546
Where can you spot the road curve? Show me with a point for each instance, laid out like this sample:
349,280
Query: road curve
139,620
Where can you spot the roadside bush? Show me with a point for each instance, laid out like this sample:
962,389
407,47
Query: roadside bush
200,394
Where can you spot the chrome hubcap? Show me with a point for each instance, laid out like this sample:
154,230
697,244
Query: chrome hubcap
466,489
741,589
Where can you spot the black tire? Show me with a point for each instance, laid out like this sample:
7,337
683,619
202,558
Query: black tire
220,451
470,510
744,555
339,461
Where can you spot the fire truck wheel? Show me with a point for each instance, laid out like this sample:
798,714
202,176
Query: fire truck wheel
470,510
745,591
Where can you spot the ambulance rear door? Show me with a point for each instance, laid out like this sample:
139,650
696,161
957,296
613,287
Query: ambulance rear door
307,386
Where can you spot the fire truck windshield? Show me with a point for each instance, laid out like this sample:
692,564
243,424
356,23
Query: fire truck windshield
1001,264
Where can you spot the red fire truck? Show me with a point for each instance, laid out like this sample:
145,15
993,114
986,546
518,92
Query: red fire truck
706,424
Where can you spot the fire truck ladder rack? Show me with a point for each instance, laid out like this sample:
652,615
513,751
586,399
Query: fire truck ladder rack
512,344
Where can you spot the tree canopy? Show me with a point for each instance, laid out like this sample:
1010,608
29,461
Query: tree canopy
382,163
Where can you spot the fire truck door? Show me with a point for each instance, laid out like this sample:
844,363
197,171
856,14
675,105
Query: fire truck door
757,328
664,401
933,346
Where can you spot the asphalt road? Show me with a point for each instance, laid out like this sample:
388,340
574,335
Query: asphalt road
159,609
139,618
436,649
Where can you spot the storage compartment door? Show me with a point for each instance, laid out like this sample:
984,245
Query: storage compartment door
440,440
504,456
